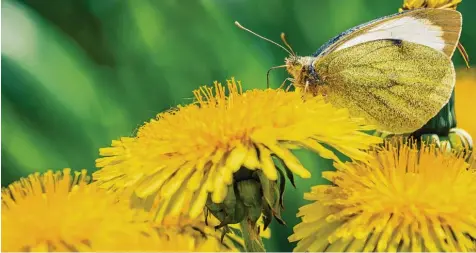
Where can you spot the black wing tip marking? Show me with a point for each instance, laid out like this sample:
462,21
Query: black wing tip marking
396,42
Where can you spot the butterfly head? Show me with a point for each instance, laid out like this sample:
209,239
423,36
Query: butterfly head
300,68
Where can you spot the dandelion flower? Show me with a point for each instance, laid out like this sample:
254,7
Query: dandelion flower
225,147
62,212
444,4
465,96
406,199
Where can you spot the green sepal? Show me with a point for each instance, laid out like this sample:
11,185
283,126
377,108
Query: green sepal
230,211
282,186
271,194
249,192
288,172
267,216
268,189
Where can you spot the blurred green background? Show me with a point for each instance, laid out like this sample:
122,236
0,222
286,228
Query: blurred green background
78,73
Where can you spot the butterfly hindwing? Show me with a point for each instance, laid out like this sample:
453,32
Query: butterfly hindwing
439,29
396,85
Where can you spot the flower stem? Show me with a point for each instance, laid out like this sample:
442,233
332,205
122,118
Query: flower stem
253,242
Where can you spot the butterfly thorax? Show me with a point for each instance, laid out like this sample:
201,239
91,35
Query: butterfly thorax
302,70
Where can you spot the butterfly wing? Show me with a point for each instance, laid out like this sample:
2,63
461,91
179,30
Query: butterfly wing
439,29
394,84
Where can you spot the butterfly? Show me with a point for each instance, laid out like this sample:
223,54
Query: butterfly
395,72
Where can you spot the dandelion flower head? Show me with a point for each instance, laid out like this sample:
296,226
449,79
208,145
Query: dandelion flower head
60,211
196,150
406,199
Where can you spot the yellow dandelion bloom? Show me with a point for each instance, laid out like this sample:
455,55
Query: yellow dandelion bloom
198,149
464,103
62,212
444,4
406,199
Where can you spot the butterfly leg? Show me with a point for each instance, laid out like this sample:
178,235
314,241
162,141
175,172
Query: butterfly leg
306,86
289,86
284,82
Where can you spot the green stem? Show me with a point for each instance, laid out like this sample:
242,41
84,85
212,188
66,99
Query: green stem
253,242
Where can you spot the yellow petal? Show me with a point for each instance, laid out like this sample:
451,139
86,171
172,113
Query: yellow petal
236,157
174,182
153,182
290,160
220,191
198,202
321,150
267,164
251,160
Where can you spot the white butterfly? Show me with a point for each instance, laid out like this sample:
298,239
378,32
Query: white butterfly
395,71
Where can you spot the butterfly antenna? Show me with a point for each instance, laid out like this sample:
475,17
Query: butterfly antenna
261,37
283,38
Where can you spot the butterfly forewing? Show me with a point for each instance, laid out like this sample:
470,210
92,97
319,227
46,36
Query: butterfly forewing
439,29
396,85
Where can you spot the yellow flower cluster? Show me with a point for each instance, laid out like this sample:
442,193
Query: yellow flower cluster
184,160
151,192
222,162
